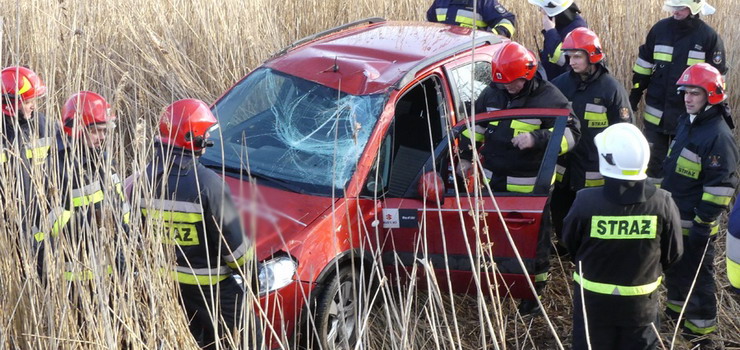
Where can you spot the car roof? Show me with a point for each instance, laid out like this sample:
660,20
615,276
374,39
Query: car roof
372,58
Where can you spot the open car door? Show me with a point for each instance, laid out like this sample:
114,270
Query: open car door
459,234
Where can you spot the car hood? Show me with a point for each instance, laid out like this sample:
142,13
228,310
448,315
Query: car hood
276,219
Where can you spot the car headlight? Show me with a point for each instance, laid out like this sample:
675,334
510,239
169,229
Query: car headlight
276,273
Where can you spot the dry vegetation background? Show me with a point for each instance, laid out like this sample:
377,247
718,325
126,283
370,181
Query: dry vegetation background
143,54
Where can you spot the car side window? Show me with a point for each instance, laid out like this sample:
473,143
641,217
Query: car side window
418,127
506,168
468,82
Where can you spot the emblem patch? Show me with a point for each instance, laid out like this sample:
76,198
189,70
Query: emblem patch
597,100
717,57
500,9
624,113
714,161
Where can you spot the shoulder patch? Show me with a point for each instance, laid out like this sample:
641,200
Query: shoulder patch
697,47
500,9
597,100
624,114
718,57
714,161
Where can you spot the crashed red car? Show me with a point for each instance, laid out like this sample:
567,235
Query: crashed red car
338,151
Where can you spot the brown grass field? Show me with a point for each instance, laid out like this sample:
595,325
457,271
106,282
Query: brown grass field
142,55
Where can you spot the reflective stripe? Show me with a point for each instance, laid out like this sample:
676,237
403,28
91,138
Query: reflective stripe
559,172
85,275
688,164
643,67
557,56
718,195
488,174
663,53
594,179
171,205
686,226
675,305
701,326
507,25
520,184
542,277
567,142
172,216
3,157
170,210
469,18
596,116
624,227
733,260
89,194
478,137
201,276
38,150
613,289
441,14
652,115
696,57
55,220
522,126
240,256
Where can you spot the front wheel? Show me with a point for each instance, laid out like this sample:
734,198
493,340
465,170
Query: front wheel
337,310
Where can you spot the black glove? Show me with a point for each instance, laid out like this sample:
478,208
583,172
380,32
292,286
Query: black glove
635,97
699,235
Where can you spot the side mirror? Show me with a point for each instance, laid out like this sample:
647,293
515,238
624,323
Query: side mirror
432,188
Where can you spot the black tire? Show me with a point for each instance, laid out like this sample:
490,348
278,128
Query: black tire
337,310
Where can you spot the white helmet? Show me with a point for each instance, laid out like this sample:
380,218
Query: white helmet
695,6
623,152
552,7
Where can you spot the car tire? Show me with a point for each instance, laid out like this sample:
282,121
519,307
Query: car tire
337,309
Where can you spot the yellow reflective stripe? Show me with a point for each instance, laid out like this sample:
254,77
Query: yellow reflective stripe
624,227
594,183
613,289
198,280
520,184
641,70
522,126
84,275
663,53
693,61
493,123
242,260
719,200
520,188
469,19
630,172
688,168
89,199
38,152
60,222
673,306
478,137
126,218
557,56
559,172
733,272
542,277
3,157
507,25
695,57
713,231
650,118
172,216
699,330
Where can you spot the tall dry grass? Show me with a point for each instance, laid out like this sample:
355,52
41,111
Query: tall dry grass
142,55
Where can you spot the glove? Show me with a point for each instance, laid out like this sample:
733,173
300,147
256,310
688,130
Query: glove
699,235
635,97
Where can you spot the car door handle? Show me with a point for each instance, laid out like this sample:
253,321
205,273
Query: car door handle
519,221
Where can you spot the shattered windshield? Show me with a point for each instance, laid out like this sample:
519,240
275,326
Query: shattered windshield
293,132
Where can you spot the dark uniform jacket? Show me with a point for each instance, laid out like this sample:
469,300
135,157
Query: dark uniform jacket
191,207
598,101
700,169
621,237
89,210
24,159
672,46
490,15
514,170
551,57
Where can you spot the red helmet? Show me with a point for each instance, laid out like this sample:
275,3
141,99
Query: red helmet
703,75
87,108
585,40
19,82
512,62
184,124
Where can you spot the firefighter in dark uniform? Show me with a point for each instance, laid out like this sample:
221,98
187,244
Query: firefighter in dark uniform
490,15
733,249
513,149
621,236
91,197
191,207
700,174
559,17
25,146
598,100
672,45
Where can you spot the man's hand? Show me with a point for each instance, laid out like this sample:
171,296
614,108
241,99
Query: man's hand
635,97
463,167
547,22
523,141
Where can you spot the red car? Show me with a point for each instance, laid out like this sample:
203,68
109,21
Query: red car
338,151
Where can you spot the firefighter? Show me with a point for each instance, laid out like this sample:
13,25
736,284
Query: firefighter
194,211
621,236
513,149
559,17
700,174
598,100
489,15
672,45
25,145
733,249
92,203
